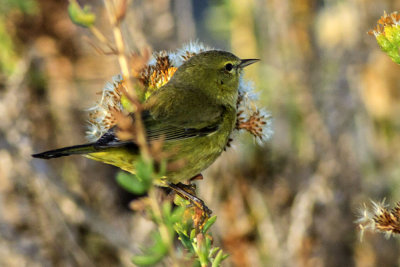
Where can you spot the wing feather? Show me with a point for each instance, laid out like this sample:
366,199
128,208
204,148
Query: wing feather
165,119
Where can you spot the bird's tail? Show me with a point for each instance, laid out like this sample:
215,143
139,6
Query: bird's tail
66,151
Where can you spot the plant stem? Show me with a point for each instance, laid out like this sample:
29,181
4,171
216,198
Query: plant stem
155,207
123,62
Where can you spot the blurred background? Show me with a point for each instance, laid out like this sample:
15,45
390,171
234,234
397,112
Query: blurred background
334,97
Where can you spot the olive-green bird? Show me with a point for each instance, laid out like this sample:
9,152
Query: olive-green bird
194,113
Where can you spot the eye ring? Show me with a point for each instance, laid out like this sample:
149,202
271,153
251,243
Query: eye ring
228,66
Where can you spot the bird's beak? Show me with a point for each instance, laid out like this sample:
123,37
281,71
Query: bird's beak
247,62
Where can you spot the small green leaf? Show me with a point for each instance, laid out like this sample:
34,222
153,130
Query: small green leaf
192,234
180,227
177,214
147,260
185,241
131,183
213,251
166,209
180,201
208,243
219,258
203,257
144,170
153,254
82,17
209,223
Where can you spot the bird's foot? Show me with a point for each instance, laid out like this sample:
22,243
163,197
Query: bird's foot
202,212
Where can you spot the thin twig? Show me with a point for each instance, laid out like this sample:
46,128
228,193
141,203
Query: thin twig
101,38
123,62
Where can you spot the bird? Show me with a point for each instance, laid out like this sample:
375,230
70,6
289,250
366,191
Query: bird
193,114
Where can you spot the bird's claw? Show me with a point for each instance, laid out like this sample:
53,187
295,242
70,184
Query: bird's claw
202,212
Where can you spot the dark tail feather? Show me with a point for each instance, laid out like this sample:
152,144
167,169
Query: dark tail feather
66,151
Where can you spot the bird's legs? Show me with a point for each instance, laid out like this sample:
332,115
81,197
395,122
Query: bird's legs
187,191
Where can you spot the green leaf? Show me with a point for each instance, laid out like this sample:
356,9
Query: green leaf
220,257
144,171
131,183
213,251
146,260
209,223
153,254
225,256
208,243
141,182
177,214
185,241
25,6
180,227
82,17
192,234
180,201
166,209
203,257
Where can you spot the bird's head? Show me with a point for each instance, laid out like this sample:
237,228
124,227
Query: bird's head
217,73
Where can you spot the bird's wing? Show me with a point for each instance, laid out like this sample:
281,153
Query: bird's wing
175,114
172,116
170,130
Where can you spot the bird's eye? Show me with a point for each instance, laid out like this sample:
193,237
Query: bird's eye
229,66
